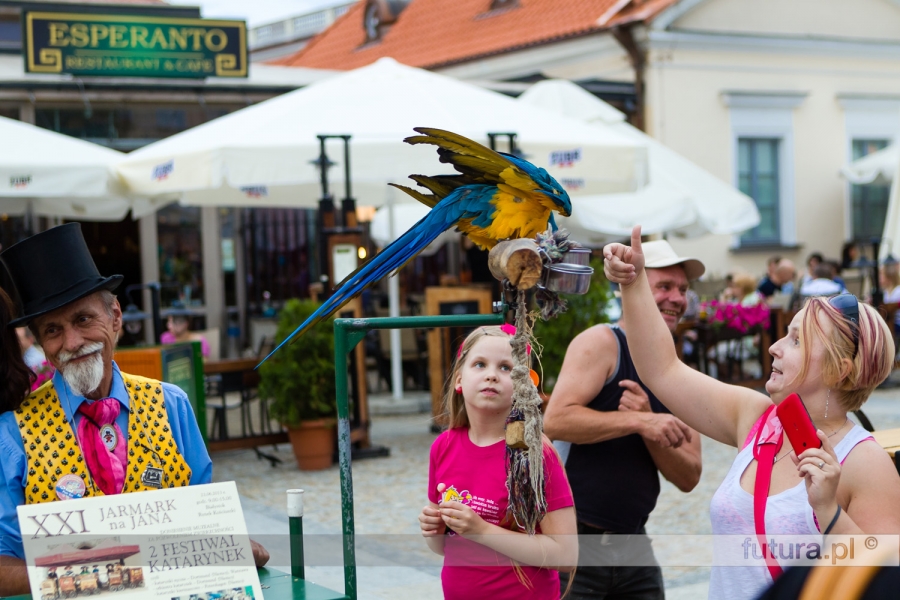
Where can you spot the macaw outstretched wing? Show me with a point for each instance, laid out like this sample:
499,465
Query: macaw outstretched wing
469,203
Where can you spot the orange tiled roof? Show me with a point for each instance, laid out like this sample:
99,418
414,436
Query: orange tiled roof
434,33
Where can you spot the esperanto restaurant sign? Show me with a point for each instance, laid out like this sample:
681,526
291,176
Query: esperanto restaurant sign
134,46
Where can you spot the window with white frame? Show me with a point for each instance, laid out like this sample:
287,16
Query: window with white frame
868,203
762,133
758,178
871,122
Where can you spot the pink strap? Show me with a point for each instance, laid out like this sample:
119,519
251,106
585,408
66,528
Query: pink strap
107,467
764,452
752,435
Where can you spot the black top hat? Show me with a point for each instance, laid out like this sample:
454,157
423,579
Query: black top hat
52,269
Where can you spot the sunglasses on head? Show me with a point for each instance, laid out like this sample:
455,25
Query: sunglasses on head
848,306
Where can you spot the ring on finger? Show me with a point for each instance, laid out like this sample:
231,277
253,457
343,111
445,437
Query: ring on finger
822,464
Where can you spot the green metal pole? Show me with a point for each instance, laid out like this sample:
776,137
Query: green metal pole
341,347
295,520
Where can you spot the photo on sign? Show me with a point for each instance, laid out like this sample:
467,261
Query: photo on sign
238,593
90,567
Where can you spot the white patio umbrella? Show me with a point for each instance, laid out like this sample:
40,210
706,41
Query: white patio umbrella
878,167
55,175
890,237
263,155
681,197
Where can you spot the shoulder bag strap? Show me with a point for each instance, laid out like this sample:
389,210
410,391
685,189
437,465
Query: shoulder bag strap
765,461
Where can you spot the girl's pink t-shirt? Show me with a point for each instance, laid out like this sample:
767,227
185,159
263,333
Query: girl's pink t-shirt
477,475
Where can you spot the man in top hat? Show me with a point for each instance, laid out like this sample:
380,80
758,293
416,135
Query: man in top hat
96,417
621,436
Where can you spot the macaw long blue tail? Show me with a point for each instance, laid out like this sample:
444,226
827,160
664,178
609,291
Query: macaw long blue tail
397,254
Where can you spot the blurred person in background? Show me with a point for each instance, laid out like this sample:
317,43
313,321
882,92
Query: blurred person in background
744,290
812,261
849,255
889,279
823,283
781,279
178,328
34,358
767,279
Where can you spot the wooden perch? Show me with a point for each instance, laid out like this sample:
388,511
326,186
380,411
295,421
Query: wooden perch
518,261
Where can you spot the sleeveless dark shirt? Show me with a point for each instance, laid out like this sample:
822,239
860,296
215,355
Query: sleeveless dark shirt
615,483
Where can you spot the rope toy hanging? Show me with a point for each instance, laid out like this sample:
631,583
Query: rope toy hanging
524,433
521,264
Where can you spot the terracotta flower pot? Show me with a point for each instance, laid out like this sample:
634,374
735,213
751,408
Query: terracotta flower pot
313,444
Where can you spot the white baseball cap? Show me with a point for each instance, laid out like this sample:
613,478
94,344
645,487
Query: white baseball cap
658,254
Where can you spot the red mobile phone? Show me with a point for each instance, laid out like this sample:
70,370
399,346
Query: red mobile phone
798,425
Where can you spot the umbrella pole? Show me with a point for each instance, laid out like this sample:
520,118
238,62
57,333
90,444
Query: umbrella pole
394,309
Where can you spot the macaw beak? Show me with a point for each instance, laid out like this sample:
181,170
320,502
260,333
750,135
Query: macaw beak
560,204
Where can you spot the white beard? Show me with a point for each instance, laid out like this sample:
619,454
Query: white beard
84,376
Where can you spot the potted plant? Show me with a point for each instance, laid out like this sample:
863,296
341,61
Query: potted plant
299,383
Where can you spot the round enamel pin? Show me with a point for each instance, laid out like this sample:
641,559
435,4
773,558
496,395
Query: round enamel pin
70,487
109,437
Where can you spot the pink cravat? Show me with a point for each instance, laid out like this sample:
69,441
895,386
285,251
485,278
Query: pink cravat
105,461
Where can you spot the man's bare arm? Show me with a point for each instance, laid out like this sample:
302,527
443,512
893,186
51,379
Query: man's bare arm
13,576
682,466
677,452
589,362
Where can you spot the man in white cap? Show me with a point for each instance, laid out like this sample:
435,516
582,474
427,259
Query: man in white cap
620,437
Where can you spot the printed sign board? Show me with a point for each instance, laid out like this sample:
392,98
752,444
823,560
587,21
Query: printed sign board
187,542
133,46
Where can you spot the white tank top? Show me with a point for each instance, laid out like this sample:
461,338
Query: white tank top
787,513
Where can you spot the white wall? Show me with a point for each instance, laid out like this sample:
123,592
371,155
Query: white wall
857,19
689,80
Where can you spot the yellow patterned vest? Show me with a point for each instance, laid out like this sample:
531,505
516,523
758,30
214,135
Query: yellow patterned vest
52,450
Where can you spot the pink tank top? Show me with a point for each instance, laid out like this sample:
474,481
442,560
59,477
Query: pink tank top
787,513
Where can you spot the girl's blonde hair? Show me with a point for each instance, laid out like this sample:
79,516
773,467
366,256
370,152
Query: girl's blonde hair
454,404
872,362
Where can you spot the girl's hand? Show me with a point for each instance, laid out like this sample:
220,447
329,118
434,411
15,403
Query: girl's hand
622,264
462,519
431,523
822,471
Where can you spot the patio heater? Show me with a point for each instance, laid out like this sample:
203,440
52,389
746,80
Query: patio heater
511,139
340,235
342,224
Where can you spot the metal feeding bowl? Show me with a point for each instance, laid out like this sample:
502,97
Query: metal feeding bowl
568,278
577,256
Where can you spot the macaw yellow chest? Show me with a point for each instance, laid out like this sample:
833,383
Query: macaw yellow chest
516,214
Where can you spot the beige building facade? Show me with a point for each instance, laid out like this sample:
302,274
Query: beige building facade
772,96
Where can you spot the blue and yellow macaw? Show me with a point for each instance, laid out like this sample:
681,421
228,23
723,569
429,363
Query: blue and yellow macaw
494,197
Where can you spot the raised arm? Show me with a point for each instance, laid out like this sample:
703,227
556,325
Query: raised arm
721,411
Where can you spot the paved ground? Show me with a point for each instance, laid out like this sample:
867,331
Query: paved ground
389,493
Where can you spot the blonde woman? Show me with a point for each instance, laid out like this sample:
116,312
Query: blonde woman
835,353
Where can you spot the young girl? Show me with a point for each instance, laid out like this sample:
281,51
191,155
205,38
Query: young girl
466,519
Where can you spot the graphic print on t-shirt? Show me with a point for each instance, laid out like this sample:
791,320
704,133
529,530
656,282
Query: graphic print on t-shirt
486,508
451,495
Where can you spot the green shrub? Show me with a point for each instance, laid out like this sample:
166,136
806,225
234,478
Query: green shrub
299,378
583,311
